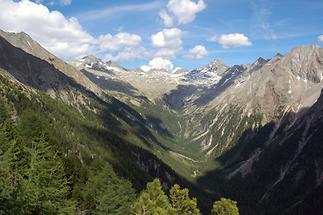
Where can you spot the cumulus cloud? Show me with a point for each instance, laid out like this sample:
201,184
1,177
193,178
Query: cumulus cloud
63,36
118,41
234,40
129,54
197,52
183,11
158,64
168,42
320,38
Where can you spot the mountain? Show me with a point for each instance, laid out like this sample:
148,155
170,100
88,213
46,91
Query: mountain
60,126
136,82
207,75
249,132
24,42
281,170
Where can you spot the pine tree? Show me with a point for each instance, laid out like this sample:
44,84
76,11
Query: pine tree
44,188
110,194
225,207
153,201
181,201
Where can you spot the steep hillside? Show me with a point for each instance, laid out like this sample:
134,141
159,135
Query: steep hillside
24,42
280,169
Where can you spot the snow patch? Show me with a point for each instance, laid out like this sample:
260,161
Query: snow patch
246,166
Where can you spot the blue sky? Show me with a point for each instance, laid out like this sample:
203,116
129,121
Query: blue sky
257,28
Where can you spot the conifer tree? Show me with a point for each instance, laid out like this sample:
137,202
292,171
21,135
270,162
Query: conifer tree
181,201
111,194
44,187
153,201
225,207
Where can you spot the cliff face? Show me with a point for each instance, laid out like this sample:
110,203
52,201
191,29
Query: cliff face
282,171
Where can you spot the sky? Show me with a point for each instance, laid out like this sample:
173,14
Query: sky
167,33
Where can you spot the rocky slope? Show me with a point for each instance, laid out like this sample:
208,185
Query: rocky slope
152,84
24,42
281,170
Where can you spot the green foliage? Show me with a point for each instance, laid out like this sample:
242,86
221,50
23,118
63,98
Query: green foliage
32,180
181,201
46,148
153,201
110,194
3,111
225,207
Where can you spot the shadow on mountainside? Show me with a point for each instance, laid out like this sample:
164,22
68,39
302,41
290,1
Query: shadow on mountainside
137,123
208,94
252,170
39,74
176,98
32,71
110,84
157,125
141,162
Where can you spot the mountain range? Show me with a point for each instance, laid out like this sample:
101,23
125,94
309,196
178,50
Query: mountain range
251,132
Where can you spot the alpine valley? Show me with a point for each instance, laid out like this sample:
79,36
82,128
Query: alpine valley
252,133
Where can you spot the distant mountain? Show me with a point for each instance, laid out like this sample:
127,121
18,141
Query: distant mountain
207,75
151,84
250,132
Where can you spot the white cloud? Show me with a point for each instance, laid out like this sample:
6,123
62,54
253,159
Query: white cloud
320,38
197,52
168,42
183,11
128,54
234,40
66,2
158,64
167,38
167,19
63,36
118,41
213,38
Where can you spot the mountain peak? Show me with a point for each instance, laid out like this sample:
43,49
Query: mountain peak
113,64
217,62
260,61
91,58
278,55
306,62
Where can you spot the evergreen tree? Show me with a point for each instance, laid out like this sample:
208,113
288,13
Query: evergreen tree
153,201
45,188
225,207
110,194
181,201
